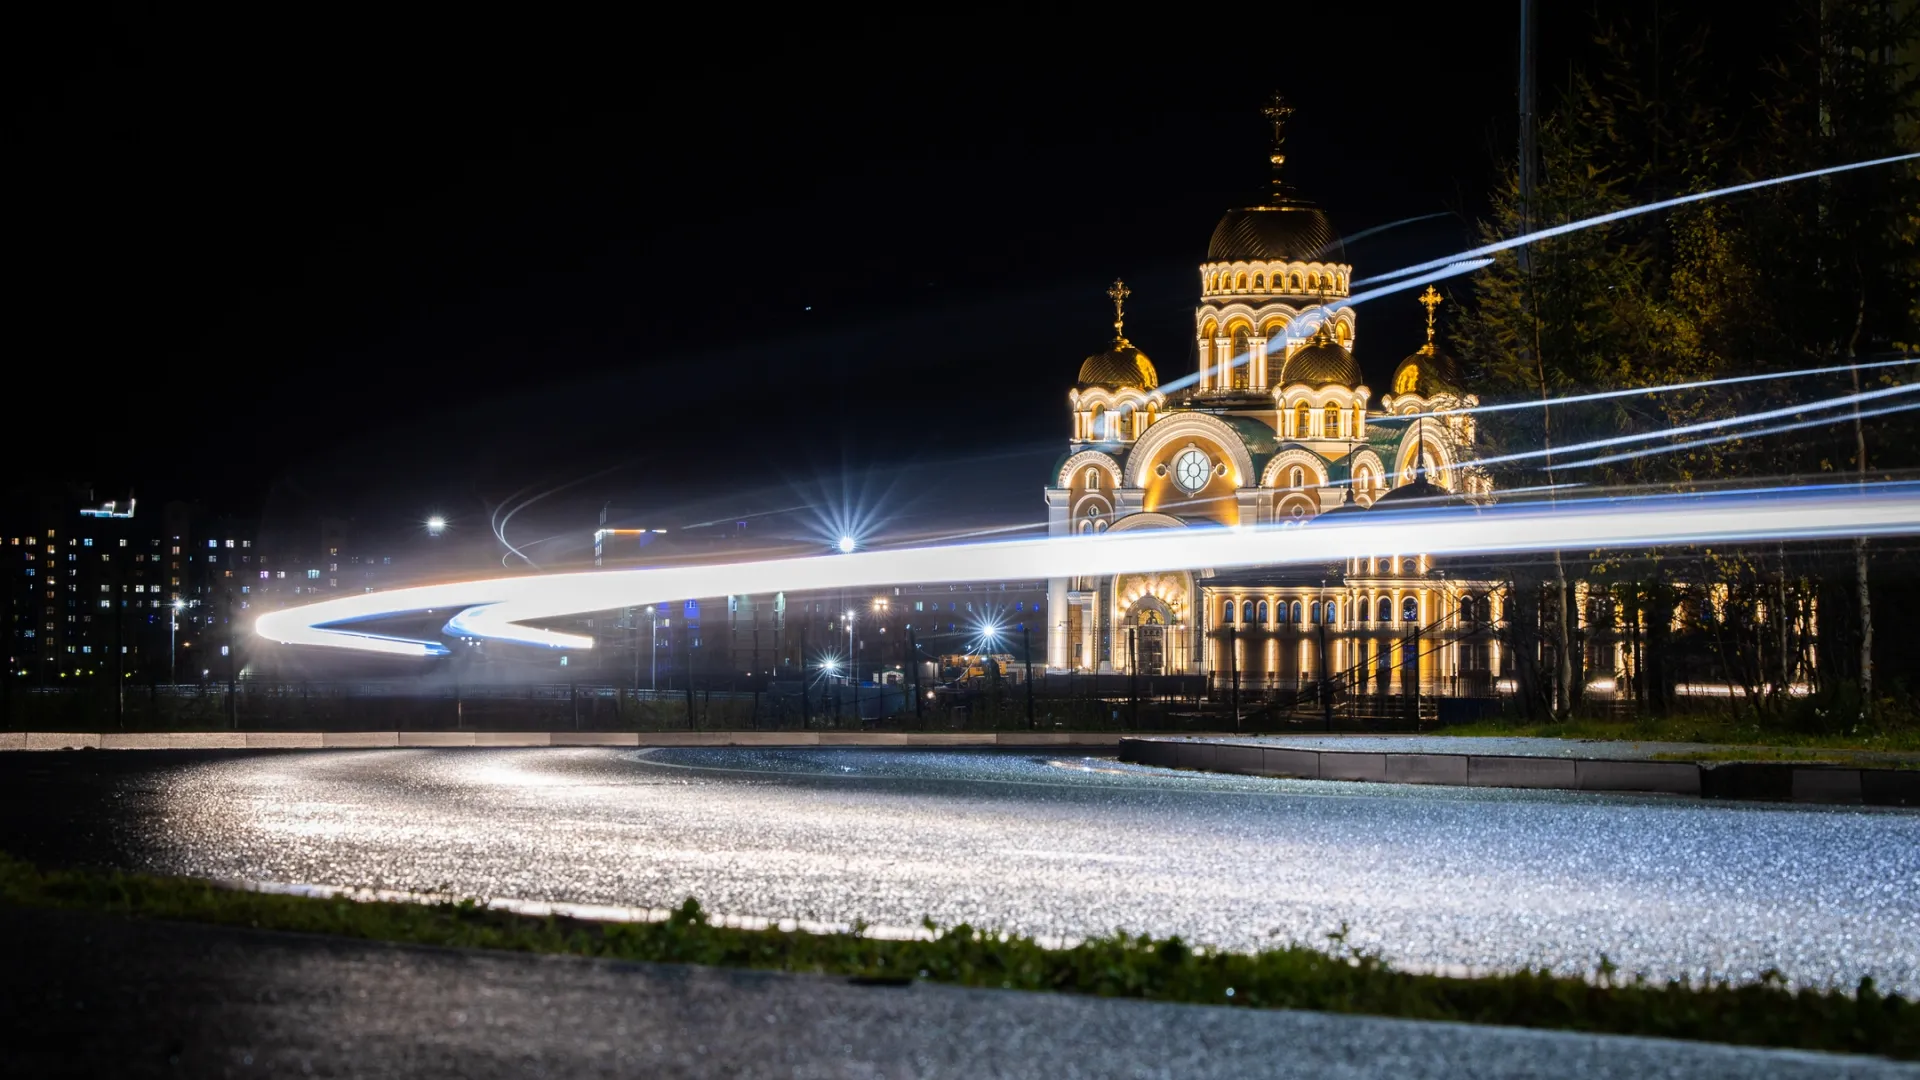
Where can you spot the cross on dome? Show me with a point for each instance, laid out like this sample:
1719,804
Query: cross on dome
1431,299
1119,293
1278,112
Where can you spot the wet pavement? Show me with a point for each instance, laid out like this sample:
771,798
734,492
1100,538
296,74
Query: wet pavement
96,996
1434,878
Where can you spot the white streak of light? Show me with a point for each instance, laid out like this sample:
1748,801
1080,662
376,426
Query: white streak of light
1632,211
503,608
1818,421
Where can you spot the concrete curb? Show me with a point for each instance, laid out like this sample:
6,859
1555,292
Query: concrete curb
1774,781
364,740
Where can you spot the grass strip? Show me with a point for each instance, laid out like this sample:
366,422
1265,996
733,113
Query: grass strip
1339,979
1728,736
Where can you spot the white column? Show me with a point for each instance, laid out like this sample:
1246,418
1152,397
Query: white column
1259,378
1089,627
1223,363
1206,363
1059,649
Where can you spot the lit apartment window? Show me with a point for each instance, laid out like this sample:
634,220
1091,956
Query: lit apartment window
176,549
313,575
229,543
88,542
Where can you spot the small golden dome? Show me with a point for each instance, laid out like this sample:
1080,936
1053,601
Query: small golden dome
1426,373
1120,366
1321,363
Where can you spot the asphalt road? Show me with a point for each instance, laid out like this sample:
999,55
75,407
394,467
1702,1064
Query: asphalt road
1432,877
94,996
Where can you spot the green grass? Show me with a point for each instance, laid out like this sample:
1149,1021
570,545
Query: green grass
1337,979
1734,736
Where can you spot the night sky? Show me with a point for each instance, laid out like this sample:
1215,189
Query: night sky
373,268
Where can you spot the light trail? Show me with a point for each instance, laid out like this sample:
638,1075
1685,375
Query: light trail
1704,425
1632,211
1661,388
1820,421
508,609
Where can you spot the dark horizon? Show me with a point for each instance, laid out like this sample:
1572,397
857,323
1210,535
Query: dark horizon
377,275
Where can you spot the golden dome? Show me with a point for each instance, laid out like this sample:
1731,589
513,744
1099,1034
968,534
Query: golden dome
1295,232
1322,362
1120,366
1426,372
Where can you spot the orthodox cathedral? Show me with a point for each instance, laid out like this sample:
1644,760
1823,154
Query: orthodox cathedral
1277,426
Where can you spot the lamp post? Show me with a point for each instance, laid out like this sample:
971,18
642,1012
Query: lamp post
173,629
1026,651
853,666
653,650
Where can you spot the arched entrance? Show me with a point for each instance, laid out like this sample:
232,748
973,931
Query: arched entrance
1150,620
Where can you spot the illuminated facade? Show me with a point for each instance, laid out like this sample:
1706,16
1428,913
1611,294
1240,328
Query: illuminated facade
1276,427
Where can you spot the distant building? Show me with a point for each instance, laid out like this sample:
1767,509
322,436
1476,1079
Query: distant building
115,590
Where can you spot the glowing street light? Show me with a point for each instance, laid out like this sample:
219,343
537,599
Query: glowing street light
173,629
436,525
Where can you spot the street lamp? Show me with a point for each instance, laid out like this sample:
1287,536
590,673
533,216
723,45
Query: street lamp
436,525
850,663
653,649
173,629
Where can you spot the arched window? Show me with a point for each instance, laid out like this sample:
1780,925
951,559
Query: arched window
1240,282
1246,611
1364,480
1240,361
1386,610
1313,612
1296,283
1227,612
1296,611
1280,612
1313,281
1086,527
1469,609
1263,612
1302,421
1258,281
1410,610
1296,477
1363,611
1093,478
1333,613
1330,421
1096,422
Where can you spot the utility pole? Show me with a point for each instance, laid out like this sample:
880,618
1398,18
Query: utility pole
1529,175
1026,647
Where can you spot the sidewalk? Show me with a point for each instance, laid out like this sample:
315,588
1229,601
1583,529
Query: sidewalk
1555,764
